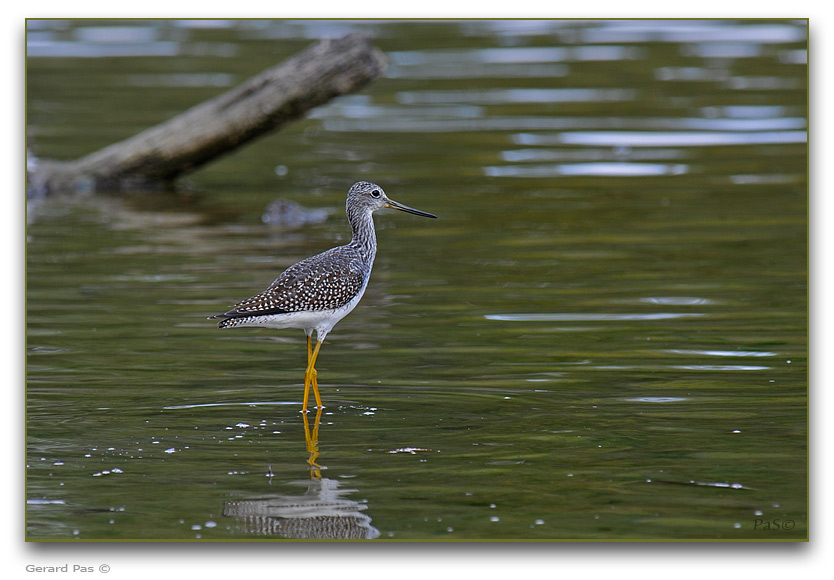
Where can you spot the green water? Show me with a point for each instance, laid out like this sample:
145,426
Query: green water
603,336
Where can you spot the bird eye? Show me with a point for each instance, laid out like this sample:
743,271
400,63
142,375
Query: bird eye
375,193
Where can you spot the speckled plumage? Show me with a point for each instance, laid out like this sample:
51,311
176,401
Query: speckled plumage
323,282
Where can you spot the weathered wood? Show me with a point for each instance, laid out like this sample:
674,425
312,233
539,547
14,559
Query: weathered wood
162,153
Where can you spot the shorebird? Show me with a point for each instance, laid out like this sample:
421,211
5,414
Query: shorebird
318,292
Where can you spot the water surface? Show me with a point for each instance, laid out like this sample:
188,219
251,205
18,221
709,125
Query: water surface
604,336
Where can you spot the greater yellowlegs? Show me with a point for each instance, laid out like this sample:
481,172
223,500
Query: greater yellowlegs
318,292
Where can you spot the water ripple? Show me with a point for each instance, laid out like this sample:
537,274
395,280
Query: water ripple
36,501
613,169
668,138
480,71
676,300
55,49
576,155
513,55
245,404
654,399
720,368
690,31
501,96
731,124
588,316
740,353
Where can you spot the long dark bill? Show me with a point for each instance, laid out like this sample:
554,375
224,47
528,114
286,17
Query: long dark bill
393,204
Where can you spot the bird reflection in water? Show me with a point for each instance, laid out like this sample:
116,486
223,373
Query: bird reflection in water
321,513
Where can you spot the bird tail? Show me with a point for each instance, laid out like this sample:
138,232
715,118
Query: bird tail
224,319
231,319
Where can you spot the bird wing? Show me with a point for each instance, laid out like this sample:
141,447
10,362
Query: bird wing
325,281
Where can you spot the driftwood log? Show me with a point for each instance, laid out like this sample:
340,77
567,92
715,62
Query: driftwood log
161,154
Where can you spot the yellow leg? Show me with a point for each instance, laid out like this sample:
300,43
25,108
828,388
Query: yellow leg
314,376
310,378
307,376
312,440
